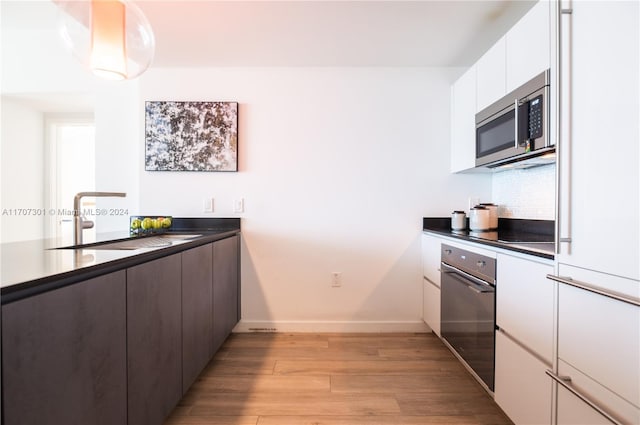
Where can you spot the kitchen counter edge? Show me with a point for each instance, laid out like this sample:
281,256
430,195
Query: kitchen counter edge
18,291
434,226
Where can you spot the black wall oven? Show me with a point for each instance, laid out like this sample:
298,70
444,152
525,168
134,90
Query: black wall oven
467,312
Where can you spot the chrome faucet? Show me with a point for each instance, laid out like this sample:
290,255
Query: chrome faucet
79,222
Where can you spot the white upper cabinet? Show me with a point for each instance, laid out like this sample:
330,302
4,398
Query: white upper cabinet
518,56
491,69
528,50
599,150
463,125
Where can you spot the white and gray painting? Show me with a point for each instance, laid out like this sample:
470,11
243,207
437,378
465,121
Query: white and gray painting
191,136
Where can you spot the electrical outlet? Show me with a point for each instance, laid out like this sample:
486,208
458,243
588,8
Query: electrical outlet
238,205
336,279
207,205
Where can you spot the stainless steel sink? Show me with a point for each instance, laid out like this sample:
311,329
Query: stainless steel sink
159,241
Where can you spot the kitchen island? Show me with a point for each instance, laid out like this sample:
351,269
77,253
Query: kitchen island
36,266
93,335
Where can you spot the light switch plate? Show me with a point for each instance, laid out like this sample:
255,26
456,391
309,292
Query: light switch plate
207,205
238,205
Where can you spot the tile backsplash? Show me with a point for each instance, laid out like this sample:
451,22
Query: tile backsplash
528,193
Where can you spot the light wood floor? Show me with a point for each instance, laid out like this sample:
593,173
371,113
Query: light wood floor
335,379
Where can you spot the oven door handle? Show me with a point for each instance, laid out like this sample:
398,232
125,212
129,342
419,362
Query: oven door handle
484,286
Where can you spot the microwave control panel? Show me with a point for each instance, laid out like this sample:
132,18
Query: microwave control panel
535,118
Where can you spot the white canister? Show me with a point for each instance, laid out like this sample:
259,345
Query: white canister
458,220
493,215
479,218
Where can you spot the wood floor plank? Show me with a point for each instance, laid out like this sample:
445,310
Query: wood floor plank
407,340
449,403
228,366
272,340
370,420
399,384
427,353
262,383
367,367
301,353
230,404
177,419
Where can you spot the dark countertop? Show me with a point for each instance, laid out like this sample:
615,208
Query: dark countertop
35,266
533,237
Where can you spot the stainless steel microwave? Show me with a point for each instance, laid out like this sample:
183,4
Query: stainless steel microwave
515,127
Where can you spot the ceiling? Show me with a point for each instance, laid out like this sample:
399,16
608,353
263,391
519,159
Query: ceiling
308,33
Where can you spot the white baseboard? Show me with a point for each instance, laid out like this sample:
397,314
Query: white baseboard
331,326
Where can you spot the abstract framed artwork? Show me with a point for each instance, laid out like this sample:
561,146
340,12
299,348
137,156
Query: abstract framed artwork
191,136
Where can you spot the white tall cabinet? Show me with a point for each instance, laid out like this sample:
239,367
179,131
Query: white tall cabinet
600,138
597,366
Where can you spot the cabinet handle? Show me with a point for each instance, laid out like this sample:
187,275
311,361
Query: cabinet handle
587,287
516,123
565,381
432,283
453,270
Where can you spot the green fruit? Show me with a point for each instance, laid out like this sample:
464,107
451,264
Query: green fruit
136,223
166,223
155,223
147,223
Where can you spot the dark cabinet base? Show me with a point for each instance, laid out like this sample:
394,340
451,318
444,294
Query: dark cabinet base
154,344
226,289
197,308
64,355
121,348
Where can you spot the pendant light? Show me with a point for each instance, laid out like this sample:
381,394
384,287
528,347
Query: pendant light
112,38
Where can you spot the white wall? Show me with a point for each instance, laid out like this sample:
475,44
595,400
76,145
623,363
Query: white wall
118,130
337,168
22,171
49,80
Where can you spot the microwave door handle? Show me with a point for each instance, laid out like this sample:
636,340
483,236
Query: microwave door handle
515,138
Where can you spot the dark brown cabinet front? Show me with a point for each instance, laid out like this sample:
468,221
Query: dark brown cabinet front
64,355
226,288
154,340
197,310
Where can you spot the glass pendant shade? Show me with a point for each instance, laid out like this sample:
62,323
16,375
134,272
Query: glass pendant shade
110,37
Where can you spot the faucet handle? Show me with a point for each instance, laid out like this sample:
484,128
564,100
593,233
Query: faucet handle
86,224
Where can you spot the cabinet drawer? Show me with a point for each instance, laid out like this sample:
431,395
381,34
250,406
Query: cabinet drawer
431,306
431,258
600,337
524,303
522,388
573,410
